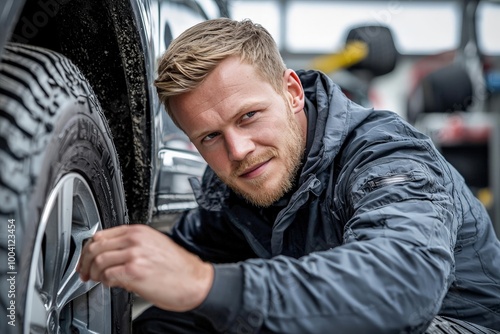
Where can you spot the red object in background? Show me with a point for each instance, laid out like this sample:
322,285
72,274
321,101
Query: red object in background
456,130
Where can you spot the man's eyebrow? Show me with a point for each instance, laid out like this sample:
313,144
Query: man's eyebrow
201,135
251,106
244,108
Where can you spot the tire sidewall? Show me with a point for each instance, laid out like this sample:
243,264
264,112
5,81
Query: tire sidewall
80,144
73,138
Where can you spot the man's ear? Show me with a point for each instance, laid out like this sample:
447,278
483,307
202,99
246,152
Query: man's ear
293,91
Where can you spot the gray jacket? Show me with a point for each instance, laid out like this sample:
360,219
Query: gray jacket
380,235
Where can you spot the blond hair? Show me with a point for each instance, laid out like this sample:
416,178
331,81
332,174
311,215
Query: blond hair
192,56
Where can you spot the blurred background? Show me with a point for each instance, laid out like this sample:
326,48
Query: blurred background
436,63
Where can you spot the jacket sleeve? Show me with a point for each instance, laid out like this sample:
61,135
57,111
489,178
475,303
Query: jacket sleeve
390,275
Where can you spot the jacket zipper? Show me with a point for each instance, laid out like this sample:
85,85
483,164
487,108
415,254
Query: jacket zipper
386,181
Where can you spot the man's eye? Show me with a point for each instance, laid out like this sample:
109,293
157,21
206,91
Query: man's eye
210,137
249,115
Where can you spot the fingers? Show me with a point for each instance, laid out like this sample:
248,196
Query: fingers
110,259
143,260
118,276
102,251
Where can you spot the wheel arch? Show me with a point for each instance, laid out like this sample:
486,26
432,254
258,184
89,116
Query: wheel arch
103,39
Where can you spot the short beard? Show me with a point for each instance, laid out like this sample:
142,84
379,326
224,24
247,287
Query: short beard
293,153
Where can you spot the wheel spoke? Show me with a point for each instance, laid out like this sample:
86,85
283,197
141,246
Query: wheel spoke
72,288
57,236
71,285
81,234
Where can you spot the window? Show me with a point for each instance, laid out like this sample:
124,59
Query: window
488,27
321,26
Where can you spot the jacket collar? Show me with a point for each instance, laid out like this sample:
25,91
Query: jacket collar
330,125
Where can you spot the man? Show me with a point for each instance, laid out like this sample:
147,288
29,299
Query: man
315,215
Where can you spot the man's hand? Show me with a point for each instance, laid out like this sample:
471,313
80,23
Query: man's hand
148,263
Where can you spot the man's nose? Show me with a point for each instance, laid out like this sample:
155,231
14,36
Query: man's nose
238,145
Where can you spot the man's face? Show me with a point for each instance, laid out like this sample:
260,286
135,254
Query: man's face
251,136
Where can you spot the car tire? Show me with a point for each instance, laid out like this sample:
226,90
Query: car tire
60,182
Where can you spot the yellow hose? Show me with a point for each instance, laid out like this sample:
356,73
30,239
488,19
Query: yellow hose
354,52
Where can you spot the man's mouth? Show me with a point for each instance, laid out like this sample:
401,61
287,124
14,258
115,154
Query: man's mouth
254,170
